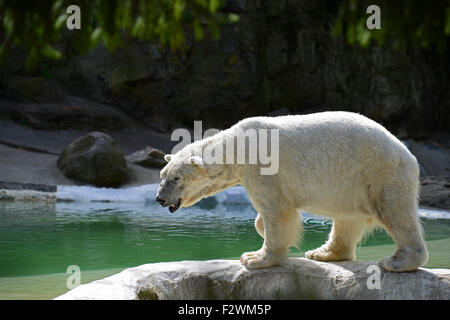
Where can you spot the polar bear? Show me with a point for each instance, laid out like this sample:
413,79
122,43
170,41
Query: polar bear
339,165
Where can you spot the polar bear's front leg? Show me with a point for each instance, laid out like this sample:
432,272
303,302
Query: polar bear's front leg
263,258
259,225
280,232
341,245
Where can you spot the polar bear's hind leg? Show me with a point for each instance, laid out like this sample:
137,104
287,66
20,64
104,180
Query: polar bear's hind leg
398,215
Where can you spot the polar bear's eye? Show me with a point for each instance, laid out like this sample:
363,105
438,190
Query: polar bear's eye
176,178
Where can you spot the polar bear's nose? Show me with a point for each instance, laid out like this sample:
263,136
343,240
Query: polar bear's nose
161,201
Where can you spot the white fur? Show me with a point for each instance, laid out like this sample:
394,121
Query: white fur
339,165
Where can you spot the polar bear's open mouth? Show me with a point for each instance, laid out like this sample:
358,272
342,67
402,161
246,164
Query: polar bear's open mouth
174,207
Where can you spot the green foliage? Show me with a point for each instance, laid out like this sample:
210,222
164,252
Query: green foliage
37,25
424,23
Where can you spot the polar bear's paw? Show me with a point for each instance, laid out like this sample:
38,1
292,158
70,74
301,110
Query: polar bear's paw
259,259
392,264
405,260
326,254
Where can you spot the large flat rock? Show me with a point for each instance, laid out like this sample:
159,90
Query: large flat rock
298,278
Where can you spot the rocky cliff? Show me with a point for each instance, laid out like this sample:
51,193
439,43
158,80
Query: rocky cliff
279,58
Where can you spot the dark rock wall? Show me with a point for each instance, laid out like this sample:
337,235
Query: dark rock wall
279,58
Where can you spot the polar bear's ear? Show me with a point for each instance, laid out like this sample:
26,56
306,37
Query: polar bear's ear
197,161
167,157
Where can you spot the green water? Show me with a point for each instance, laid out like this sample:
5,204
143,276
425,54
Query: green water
38,241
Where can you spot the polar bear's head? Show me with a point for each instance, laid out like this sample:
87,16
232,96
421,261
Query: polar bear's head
185,180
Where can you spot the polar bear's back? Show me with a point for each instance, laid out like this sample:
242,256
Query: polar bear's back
333,131
337,155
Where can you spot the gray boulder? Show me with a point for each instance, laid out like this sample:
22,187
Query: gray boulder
94,159
149,158
298,278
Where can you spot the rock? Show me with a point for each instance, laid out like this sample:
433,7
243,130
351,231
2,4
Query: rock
434,164
27,196
70,113
435,192
279,112
276,54
95,159
27,186
33,89
434,158
4,196
150,157
298,278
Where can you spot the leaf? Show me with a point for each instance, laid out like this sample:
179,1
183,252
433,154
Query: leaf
202,3
214,5
233,17
60,21
364,38
198,30
95,36
178,9
50,52
138,27
178,37
8,22
362,34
